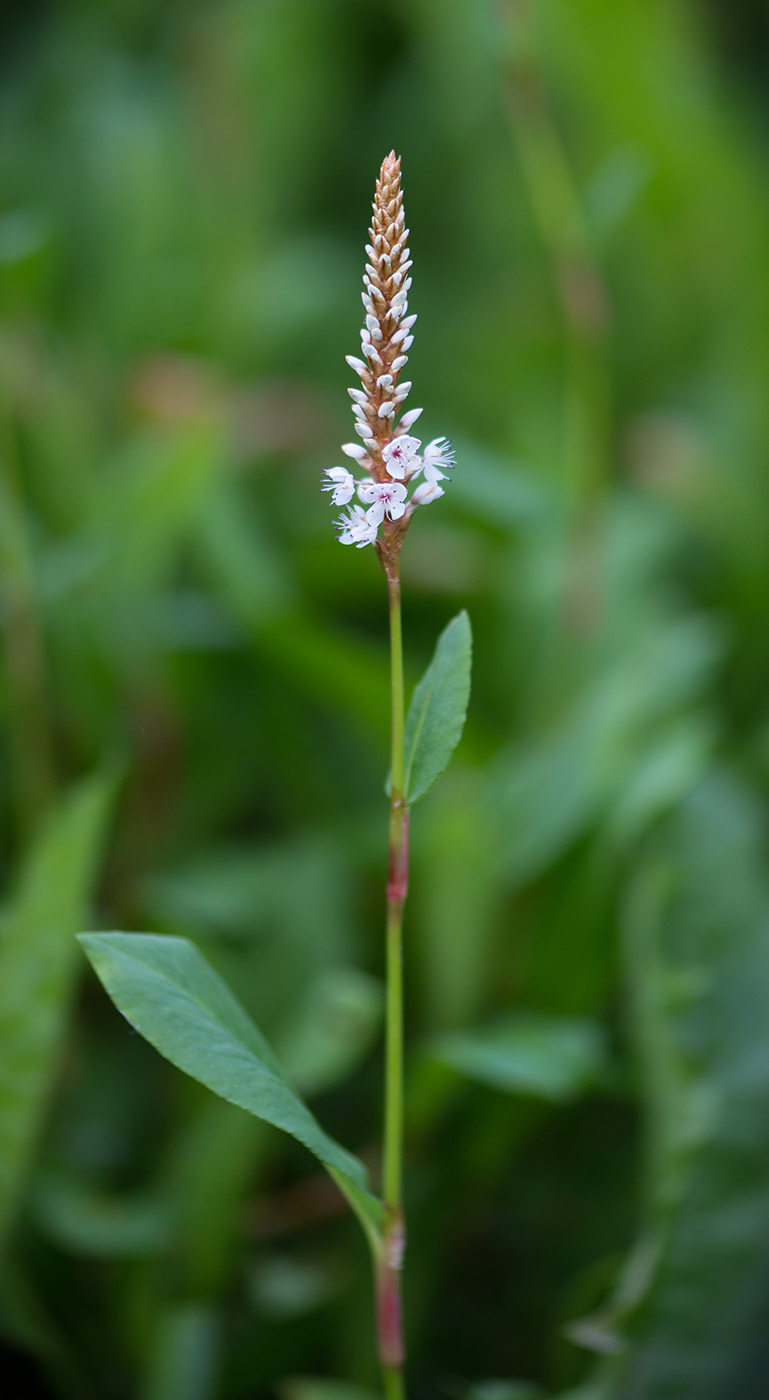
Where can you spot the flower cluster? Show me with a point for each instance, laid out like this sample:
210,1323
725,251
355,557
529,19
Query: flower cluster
391,457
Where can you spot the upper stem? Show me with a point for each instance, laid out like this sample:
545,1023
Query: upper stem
389,1263
396,894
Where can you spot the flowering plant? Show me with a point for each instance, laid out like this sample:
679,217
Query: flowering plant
163,985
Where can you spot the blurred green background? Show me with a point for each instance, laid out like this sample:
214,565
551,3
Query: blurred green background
194,690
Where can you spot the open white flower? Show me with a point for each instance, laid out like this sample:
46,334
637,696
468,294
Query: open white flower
438,454
355,528
384,498
401,456
341,483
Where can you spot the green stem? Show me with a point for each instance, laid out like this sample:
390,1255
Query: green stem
390,1335
396,895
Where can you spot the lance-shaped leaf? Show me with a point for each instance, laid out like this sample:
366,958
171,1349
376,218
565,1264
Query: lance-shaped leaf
168,991
38,960
438,707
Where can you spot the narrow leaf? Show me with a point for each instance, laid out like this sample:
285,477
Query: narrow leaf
168,991
541,1056
37,963
438,707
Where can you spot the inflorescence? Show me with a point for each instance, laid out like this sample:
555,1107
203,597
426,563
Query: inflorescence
389,455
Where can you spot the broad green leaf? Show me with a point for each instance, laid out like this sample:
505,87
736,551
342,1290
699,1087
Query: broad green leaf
438,707
542,1056
37,966
168,991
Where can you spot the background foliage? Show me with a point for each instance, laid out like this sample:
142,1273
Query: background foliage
194,695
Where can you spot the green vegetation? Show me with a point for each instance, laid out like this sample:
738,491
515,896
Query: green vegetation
195,705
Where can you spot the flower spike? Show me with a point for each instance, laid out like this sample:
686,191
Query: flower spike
389,453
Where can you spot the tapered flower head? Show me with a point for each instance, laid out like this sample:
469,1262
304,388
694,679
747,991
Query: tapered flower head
387,452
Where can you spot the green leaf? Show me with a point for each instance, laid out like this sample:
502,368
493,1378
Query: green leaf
697,955
37,965
168,991
438,707
542,1056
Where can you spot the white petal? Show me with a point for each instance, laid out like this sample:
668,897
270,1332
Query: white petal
426,491
403,330
386,410
398,363
409,419
351,449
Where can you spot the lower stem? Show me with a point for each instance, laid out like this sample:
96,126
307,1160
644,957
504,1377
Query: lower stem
389,1265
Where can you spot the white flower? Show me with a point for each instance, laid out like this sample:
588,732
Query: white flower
384,498
426,492
438,454
355,528
401,456
341,483
408,420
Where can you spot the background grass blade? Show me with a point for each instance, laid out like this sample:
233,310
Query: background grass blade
37,961
168,991
438,708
